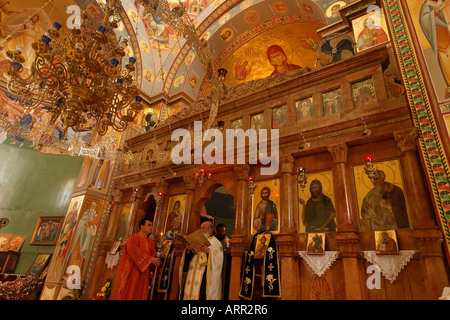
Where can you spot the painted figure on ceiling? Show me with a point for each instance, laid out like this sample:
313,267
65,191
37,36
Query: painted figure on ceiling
158,31
242,70
195,6
434,19
24,28
278,59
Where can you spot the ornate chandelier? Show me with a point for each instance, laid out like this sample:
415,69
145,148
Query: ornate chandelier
78,74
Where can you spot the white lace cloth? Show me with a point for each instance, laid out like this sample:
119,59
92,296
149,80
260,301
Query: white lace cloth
390,265
319,263
112,260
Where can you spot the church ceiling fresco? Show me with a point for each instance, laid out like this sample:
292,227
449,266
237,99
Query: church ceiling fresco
232,28
239,33
226,25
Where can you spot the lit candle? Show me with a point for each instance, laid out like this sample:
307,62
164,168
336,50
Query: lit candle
368,158
301,170
251,178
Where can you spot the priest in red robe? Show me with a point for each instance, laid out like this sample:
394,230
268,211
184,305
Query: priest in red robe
134,267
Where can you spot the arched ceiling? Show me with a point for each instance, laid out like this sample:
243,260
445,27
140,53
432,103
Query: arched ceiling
239,33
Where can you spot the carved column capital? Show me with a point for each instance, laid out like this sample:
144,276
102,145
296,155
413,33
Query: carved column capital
406,139
179,247
287,163
241,171
339,153
116,195
189,182
287,245
349,244
429,242
163,185
237,246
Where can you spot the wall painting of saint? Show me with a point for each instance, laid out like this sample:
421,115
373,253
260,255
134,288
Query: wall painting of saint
83,238
332,102
363,93
316,204
304,108
257,121
175,212
262,242
65,238
316,243
124,221
430,21
236,124
279,117
386,242
370,30
382,203
265,207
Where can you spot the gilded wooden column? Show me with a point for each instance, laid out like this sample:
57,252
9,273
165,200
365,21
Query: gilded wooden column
159,220
346,214
286,239
241,229
419,205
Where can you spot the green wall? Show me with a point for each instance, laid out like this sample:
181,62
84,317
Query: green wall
34,185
